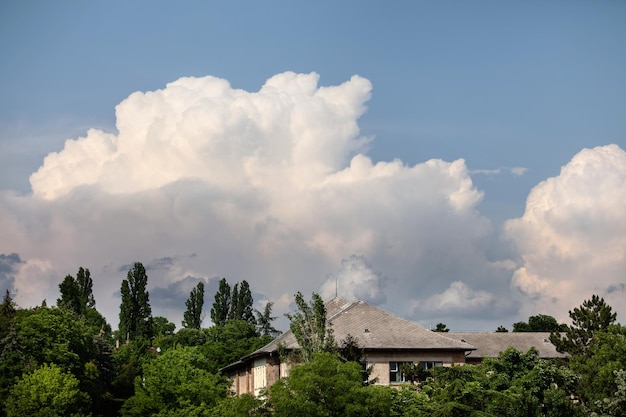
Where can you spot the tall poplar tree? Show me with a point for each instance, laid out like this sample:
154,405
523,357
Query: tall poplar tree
308,326
241,303
135,311
221,306
192,318
77,293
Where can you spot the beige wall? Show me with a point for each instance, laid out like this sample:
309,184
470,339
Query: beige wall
379,361
243,378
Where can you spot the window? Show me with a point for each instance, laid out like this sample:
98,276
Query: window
429,365
395,375
259,376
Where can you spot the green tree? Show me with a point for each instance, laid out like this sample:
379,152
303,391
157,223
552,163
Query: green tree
162,326
7,314
327,386
592,316
221,305
135,311
241,303
441,327
54,335
177,382
192,317
502,329
308,326
228,343
539,323
244,405
264,321
85,288
77,293
47,392
606,354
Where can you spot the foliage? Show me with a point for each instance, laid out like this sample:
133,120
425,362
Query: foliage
162,326
192,317
592,316
227,344
264,321
135,311
128,362
606,354
241,303
53,335
327,387
502,329
441,327
245,405
177,380
308,326
77,293
615,404
221,305
47,391
539,323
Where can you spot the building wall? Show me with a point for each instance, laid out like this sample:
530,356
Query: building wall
379,361
273,369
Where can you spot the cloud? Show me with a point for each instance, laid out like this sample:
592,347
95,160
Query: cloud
356,280
572,236
515,171
8,266
275,187
458,297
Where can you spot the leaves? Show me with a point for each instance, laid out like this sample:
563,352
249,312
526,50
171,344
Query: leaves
308,326
192,318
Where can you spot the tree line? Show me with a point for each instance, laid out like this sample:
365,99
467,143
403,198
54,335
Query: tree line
65,360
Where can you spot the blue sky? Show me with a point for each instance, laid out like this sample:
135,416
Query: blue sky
517,90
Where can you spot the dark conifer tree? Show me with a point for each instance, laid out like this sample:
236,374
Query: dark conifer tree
192,317
592,316
135,311
221,306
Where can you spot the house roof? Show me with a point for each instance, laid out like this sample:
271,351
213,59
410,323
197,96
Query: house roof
373,328
490,344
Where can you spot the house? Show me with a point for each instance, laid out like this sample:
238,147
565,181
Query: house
489,345
387,341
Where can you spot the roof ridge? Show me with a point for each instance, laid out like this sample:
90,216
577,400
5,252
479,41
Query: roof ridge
346,307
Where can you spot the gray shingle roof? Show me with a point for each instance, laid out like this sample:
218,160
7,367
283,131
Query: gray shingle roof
374,329
490,344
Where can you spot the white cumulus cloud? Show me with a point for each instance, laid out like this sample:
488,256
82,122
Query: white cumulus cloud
273,186
572,236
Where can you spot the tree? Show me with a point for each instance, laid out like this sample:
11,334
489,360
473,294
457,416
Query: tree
308,326
7,314
192,317
241,303
606,354
539,323
502,329
592,316
264,321
135,311
328,387
47,392
85,288
441,327
177,382
77,293
221,306
228,343
162,326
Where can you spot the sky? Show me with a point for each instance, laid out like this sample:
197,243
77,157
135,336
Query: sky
455,162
